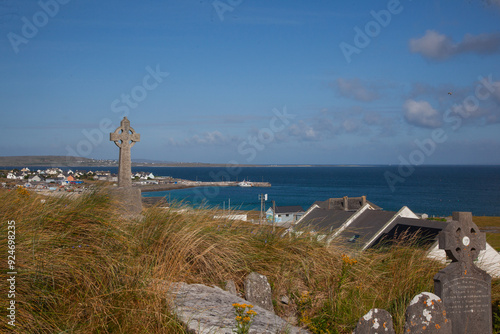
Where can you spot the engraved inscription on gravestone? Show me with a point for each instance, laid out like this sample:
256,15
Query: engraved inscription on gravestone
464,288
467,295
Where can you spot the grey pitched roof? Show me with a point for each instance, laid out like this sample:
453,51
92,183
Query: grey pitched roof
365,226
428,229
321,219
289,209
368,229
353,203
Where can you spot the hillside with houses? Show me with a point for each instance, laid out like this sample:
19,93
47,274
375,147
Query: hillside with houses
56,179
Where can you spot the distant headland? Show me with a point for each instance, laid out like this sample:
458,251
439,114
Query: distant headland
61,161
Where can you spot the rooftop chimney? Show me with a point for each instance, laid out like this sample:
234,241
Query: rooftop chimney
363,200
346,203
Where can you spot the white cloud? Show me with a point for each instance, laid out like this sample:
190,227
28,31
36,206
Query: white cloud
355,89
206,138
211,138
421,113
434,45
491,2
303,131
350,125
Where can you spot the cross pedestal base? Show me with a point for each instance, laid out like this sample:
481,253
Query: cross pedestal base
129,200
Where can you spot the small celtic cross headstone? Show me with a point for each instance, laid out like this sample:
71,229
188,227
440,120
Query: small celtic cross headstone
464,288
125,137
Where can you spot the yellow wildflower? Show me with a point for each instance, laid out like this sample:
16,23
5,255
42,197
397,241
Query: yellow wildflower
347,260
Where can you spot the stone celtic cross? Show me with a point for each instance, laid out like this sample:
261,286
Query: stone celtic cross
125,137
462,240
464,288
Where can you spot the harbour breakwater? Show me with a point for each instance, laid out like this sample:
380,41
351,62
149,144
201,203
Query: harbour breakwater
184,184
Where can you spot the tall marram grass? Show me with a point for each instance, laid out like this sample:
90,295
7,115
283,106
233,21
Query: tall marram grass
84,267
77,268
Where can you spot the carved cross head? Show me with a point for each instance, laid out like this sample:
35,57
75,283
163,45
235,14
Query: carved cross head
125,136
461,239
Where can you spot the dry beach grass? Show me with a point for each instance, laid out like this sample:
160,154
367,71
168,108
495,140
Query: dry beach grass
85,268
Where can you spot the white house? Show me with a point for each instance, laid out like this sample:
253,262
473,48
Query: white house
53,171
284,215
14,176
35,178
143,175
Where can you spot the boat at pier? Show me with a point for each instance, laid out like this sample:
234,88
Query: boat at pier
245,183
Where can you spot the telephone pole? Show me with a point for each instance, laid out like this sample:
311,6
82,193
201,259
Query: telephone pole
274,215
263,198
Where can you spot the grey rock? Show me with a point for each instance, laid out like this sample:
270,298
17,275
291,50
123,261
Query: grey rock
464,288
285,300
375,321
209,310
231,287
426,314
258,291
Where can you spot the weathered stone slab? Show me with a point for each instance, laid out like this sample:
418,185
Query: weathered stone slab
209,310
464,288
258,291
426,314
231,287
376,321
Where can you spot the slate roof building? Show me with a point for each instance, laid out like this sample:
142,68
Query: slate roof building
345,203
356,223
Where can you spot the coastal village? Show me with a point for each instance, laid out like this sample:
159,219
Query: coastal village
56,179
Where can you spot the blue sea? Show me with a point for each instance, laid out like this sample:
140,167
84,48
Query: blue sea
435,190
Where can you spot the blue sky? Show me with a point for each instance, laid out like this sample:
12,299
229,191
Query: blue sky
254,81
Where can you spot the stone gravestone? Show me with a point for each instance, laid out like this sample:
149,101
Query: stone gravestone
464,288
258,291
375,321
125,137
426,314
